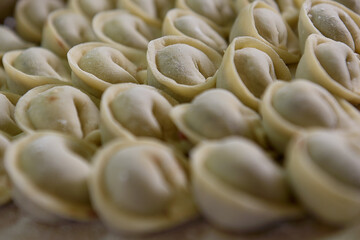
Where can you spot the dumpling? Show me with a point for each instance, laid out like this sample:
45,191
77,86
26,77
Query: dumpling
129,33
150,11
248,67
64,29
237,187
97,66
90,8
141,187
9,41
221,12
289,108
128,111
5,185
288,9
59,108
185,23
33,67
333,65
330,19
31,15
7,119
353,5
263,22
323,168
49,172
216,114
181,66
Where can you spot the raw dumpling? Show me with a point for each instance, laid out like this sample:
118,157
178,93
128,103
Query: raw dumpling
97,66
31,15
33,67
221,12
289,108
261,21
238,187
5,185
128,111
330,19
353,5
7,119
181,66
49,172
151,11
60,108
216,114
64,29
248,67
186,23
333,65
324,169
287,8
129,33
90,8
9,41
141,187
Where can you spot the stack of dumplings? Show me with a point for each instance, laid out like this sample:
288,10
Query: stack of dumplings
147,115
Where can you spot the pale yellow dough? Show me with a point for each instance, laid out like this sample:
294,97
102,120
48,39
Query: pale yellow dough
324,171
90,8
49,172
59,108
186,23
238,187
127,32
31,16
333,65
64,29
97,66
248,67
329,19
216,114
181,66
263,22
155,195
290,108
129,111
33,67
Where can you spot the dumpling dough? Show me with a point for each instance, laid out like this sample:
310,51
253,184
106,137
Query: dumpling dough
181,66
97,66
49,172
129,110
10,41
248,67
219,11
64,29
31,15
323,169
333,65
238,187
216,114
182,22
140,187
267,25
329,19
60,108
290,108
34,67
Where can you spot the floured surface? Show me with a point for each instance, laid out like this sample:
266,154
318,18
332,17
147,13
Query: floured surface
15,225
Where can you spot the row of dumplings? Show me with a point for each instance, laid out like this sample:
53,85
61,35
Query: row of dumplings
148,117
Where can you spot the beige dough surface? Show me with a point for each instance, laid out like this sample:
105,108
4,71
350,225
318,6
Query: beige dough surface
16,225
